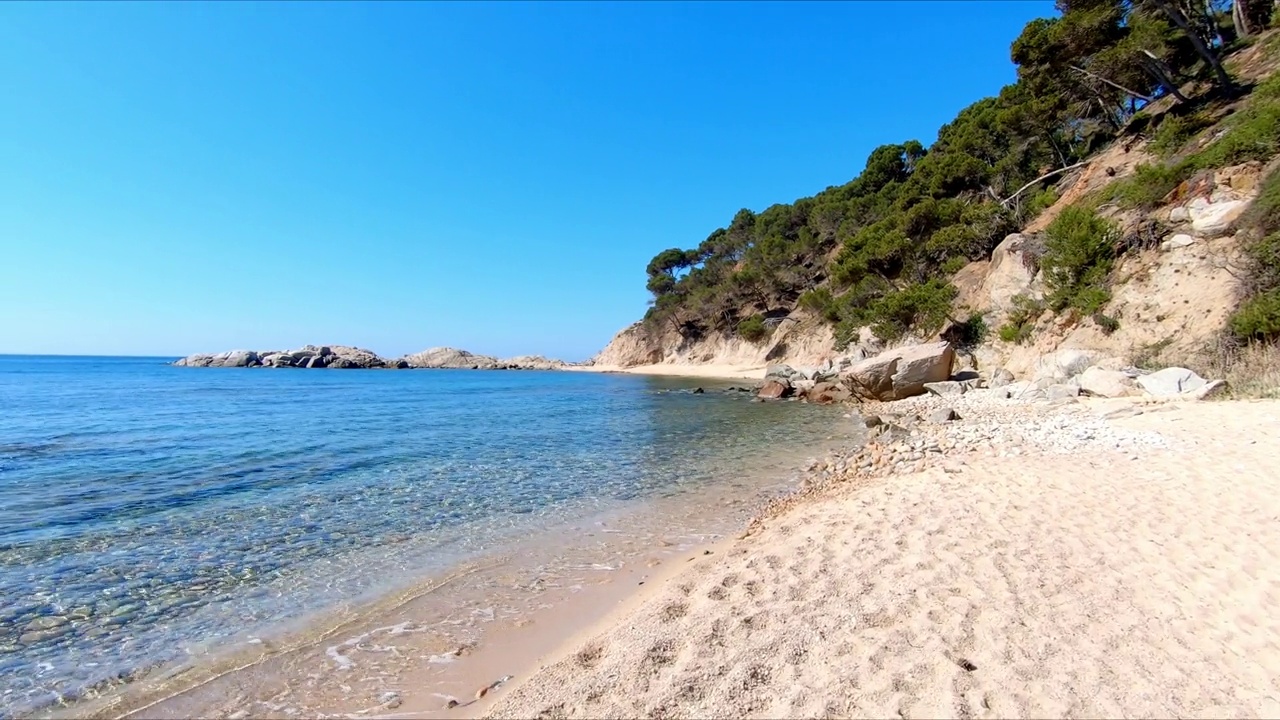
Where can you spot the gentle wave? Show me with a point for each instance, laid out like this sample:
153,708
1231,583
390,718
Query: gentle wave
146,510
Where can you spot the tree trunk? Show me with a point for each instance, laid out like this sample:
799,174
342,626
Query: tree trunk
1198,42
1156,67
1240,17
1101,79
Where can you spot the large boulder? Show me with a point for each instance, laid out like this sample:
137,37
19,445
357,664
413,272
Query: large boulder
1171,381
1012,273
451,358
1100,382
1064,364
901,372
231,358
774,390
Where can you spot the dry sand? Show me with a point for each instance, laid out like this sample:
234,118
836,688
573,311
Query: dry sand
727,372
1121,582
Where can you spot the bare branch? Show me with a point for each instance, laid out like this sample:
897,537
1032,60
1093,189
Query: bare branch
1046,176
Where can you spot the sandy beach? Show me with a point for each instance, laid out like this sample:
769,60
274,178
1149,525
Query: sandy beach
1123,562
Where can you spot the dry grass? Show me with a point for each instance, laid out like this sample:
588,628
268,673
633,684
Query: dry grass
1251,370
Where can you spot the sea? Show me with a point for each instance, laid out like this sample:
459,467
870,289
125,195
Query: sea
150,514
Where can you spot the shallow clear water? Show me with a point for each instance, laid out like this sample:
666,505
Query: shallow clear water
148,511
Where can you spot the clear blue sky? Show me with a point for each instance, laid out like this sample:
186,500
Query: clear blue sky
185,177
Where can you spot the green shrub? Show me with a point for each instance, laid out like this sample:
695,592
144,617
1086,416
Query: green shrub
1148,186
1263,215
1175,130
1079,252
1258,318
1011,333
820,302
969,333
1021,320
1107,323
1041,201
953,265
923,306
753,329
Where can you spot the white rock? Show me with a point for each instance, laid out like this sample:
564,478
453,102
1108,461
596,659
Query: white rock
1064,364
1179,214
1214,219
1171,381
1177,241
1099,382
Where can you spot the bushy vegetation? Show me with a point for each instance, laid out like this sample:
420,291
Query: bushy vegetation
1078,255
1258,317
1021,321
879,250
1252,133
753,328
1175,131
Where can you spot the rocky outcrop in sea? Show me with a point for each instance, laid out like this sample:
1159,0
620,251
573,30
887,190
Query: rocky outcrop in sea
346,357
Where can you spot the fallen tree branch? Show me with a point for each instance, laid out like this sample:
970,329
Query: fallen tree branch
1043,177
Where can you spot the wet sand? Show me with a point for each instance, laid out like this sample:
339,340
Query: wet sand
420,650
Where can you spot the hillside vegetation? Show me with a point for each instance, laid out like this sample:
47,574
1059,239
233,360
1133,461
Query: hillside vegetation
880,251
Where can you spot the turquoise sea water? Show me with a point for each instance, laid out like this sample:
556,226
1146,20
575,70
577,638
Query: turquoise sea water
148,511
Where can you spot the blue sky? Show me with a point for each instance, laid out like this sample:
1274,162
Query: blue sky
185,177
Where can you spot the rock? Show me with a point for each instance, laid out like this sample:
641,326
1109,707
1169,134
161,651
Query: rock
231,358
450,358
1064,364
774,389
1098,382
1179,214
901,372
697,391
1171,381
1011,273
999,378
872,420
784,373
827,393
310,356
947,388
1177,241
532,362
1059,392
1214,219
46,622
945,415
1210,389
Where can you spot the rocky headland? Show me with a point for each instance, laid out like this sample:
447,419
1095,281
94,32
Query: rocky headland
350,358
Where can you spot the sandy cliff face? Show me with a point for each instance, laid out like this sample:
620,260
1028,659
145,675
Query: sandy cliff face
796,340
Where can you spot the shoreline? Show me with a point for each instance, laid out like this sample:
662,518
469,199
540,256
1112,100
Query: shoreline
494,615
709,371
867,521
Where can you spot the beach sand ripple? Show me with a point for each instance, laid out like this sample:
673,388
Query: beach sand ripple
1094,584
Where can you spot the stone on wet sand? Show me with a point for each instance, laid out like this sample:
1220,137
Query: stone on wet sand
774,390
